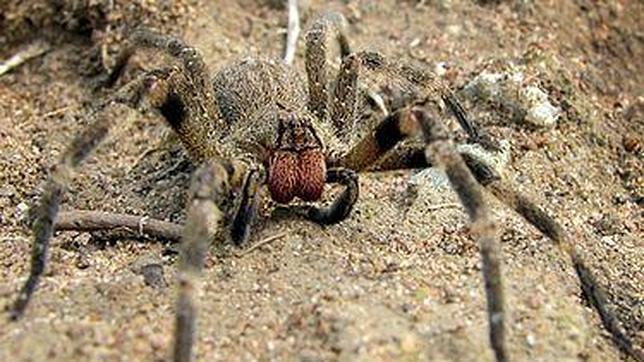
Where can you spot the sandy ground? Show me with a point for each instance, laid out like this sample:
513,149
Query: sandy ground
389,283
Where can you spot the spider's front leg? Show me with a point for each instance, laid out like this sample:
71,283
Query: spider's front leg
213,203
431,89
440,151
401,124
209,187
210,197
101,118
187,100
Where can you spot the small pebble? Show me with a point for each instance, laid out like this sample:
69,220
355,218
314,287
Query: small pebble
530,340
7,191
631,143
22,211
153,275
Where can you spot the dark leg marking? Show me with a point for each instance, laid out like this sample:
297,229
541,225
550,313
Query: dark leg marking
247,210
388,133
174,111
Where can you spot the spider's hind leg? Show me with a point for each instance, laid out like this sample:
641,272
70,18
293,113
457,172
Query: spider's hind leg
593,291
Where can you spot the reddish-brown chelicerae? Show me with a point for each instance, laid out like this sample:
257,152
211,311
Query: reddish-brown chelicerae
296,174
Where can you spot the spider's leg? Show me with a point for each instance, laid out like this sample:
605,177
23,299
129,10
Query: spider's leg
345,93
341,206
188,56
317,41
412,156
48,205
246,208
442,152
593,291
395,127
503,190
188,102
190,106
210,196
144,38
209,187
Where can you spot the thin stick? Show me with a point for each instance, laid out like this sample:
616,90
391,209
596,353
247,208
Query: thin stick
58,111
30,52
137,226
261,243
447,205
293,32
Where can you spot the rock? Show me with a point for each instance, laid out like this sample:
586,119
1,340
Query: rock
22,211
151,268
510,89
437,179
7,190
153,276
541,112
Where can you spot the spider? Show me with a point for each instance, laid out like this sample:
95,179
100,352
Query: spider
253,126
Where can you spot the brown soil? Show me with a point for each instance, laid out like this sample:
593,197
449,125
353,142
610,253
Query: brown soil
378,286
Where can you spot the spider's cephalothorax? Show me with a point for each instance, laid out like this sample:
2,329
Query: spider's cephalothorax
264,105
254,126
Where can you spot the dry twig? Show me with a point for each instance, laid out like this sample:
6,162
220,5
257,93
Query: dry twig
293,32
261,243
30,52
447,205
137,226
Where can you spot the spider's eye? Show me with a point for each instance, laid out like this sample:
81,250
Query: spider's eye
297,135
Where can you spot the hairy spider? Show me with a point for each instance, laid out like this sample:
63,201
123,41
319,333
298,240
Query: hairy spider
253,125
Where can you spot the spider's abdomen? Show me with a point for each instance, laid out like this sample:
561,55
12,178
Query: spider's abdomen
251,87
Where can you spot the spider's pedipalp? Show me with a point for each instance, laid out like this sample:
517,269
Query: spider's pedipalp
341,206
246,210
